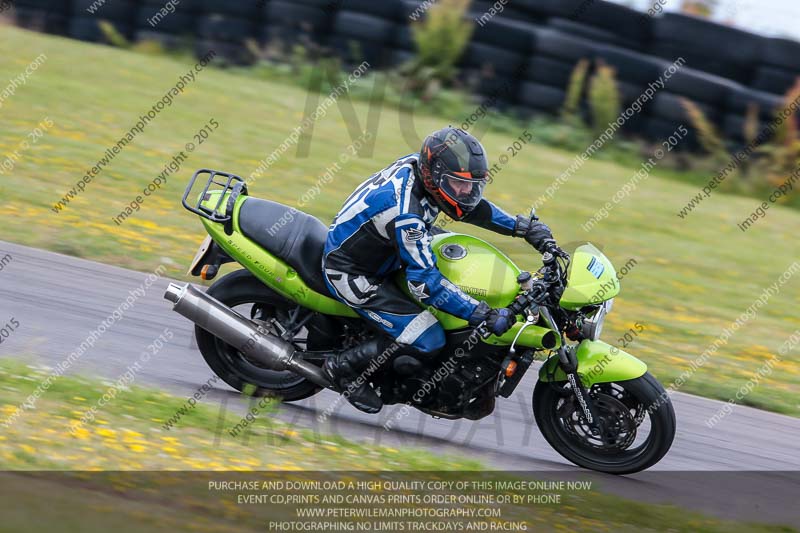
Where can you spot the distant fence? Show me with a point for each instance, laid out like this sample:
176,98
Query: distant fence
521,55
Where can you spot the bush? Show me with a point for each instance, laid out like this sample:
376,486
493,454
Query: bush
440,41
781,155
112,35
604,98
710,140
572,101
750,128
771,162
786,132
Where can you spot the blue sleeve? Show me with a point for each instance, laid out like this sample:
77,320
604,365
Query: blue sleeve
489,216
425,282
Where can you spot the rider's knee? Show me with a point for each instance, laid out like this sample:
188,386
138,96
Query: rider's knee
431,341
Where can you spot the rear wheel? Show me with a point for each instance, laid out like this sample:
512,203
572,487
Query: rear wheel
242,292
637,418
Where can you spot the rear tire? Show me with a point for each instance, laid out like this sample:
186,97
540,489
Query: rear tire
237,289
647,391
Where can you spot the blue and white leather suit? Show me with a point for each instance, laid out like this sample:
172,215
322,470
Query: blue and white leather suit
384,226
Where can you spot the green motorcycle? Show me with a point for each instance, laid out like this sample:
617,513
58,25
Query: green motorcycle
268,328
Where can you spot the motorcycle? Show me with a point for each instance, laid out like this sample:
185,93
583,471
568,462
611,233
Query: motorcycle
267,329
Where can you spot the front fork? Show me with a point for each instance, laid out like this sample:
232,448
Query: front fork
569,364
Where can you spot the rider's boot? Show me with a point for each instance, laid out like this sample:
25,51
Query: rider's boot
346,370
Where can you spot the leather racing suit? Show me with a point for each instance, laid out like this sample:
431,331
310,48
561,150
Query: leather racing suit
384,226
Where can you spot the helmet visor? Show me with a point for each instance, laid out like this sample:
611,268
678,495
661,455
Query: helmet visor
466,191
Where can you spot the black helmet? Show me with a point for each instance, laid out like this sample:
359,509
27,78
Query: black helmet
454,170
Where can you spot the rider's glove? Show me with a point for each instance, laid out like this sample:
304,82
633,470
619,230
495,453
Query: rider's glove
536,233
498,321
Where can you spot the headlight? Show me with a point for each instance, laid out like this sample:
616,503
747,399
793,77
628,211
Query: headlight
592,326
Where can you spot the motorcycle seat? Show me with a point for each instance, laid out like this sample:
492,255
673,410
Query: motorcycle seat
295,237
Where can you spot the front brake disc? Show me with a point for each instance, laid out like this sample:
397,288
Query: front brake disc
618,427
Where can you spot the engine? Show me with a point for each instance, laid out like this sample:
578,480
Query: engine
453,386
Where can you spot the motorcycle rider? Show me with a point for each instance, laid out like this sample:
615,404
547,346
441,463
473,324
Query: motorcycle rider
385,225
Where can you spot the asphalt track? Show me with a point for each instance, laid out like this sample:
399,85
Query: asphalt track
745,467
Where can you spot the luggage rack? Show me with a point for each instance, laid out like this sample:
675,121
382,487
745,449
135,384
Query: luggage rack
235,184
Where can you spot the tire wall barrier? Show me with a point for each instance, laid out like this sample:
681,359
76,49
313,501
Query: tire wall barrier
521,55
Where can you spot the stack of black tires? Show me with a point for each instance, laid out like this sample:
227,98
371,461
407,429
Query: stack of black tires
721,50
661,87
779,67
554,56
42,15
739,102
365,30
171,27
495,60
288,23
602,22
227,27
521,55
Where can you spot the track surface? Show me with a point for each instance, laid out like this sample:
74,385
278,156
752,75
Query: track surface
58,300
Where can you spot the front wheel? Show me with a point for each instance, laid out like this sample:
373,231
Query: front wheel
637,420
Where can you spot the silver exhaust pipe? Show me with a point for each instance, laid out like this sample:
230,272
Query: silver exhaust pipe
241,333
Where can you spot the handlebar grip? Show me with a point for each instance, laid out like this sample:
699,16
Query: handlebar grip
551,247
518,305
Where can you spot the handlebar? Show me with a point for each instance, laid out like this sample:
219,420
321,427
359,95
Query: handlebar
539,290
552,248
536,296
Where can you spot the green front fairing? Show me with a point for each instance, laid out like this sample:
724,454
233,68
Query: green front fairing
585,286
269,269
598,362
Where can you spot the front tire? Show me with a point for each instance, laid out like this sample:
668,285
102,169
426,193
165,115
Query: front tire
631,401
241,289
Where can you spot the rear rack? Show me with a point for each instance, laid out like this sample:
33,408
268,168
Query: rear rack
235,184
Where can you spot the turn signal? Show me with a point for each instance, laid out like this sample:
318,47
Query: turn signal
511,368
209,272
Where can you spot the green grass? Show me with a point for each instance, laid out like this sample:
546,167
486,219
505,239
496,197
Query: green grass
128,436
693,278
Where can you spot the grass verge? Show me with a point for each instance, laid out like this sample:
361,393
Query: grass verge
128,436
